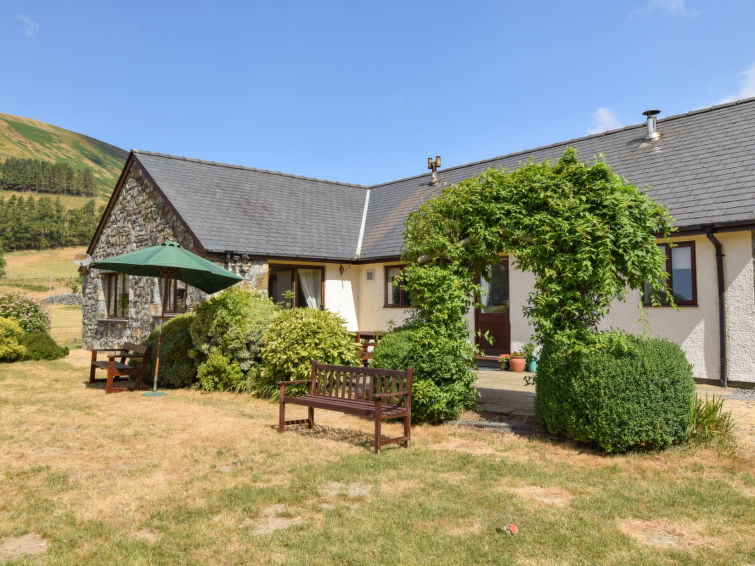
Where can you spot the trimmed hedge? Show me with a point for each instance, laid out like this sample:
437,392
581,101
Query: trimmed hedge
294,338
177,369
41,346
624,393
443,381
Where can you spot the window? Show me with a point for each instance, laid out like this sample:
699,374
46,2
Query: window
395,296
176,303
297,286
116,295
680,266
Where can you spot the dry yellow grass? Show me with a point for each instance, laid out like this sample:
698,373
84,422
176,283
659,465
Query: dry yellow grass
42,264
206,479
65,325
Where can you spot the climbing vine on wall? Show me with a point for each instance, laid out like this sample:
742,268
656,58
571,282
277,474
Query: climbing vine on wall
586,234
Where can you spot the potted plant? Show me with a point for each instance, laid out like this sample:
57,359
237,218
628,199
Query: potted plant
503,362
531,358
517,361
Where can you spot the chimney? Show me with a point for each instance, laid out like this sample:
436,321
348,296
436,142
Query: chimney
433,166
653,133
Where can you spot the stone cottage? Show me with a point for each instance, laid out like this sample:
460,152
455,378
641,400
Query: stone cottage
337,246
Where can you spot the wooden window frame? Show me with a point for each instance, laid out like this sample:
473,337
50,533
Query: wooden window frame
403,295
294,280
669,269
112,308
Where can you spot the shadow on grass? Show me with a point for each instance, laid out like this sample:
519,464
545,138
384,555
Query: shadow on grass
353,437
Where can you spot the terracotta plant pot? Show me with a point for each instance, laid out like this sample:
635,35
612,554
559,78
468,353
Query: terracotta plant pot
517,364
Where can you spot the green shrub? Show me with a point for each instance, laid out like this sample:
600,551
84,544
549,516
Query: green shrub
393,350
41,346
30,314
232,321
177,369
711,423
621,393
219,373
11,334
443,380
294,338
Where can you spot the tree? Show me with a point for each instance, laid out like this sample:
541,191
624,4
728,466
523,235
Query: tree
586,234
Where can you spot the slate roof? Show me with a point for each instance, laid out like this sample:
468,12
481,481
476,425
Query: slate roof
259,212
702,168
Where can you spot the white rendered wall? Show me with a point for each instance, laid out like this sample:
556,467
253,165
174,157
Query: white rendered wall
341,292
739,266
694,328
371,310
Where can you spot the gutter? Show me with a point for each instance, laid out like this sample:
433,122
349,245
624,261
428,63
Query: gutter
721,303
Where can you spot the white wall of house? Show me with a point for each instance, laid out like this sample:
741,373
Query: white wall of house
372,312
694,328
342,292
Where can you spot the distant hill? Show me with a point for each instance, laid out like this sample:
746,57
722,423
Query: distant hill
32,139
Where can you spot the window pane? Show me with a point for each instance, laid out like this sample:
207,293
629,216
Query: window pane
123,296
393,293
681,272
279,284
310,287
494,296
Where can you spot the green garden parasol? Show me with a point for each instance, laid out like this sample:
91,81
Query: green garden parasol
170,261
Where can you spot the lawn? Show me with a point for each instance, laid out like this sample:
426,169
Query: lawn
194,478
66,324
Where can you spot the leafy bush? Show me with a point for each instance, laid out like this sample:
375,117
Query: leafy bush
219,373
232,321
30,314
710,423
443,379
177,369
294,338
41,346
10,340
623,392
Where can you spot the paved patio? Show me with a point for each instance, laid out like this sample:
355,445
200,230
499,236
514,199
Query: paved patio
503,395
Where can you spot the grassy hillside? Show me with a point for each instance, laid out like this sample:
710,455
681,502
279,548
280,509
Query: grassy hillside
27,138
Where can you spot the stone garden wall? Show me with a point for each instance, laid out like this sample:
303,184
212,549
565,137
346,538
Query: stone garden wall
141,218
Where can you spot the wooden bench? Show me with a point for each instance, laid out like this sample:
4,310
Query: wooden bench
119,368
373,393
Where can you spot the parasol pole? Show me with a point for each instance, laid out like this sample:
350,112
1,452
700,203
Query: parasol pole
154,392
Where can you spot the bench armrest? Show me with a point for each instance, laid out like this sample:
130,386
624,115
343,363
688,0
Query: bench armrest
127,355
108,350
295,381
386,395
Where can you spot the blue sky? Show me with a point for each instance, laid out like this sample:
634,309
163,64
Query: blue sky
364,92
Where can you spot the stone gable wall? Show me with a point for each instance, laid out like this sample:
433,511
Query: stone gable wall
140,218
